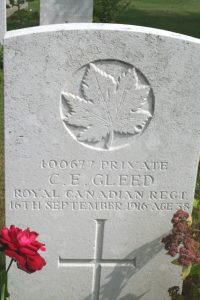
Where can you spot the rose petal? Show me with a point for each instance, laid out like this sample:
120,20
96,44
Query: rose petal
19,258
35,262
4,232
27,251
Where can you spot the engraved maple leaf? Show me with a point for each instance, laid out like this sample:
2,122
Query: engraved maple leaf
108,106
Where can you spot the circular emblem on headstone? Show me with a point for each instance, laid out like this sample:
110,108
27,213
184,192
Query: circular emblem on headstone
107,104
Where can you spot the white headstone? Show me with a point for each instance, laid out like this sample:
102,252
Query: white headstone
102,143
3,25
65,11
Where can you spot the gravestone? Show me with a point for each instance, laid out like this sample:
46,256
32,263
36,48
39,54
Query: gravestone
102,143
3,25
65,11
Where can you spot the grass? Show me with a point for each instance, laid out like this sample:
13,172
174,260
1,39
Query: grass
180,16
34,6
23,19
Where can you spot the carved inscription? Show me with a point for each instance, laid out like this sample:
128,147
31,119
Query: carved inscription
97,262
109,186
111,105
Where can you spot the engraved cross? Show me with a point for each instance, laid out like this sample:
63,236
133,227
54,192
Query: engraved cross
98,262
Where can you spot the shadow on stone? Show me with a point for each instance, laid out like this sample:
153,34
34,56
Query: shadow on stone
118,278
133,297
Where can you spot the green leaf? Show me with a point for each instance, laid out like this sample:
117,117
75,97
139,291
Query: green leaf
6,289
186,271
176,262
196,203
2,294
3,285
195,291
179,297
3,278
195,270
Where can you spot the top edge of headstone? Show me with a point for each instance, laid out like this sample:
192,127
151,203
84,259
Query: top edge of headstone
100,26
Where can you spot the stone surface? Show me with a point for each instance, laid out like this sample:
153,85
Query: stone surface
65,11
2,20
102,143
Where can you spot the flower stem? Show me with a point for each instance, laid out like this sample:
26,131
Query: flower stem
10,264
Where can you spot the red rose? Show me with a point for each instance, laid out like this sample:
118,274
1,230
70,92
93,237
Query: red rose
22,246
27,263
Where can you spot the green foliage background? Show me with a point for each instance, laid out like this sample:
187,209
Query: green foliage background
181,16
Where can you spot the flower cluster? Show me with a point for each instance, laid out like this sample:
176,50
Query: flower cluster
183,240
22,246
